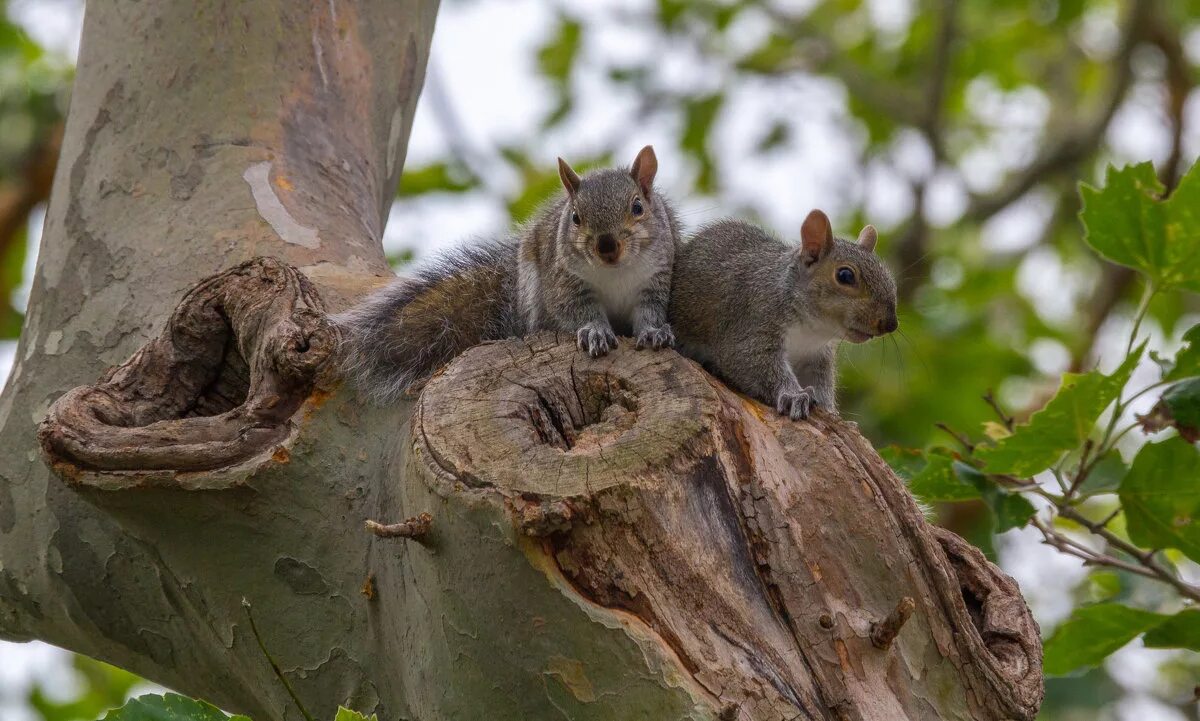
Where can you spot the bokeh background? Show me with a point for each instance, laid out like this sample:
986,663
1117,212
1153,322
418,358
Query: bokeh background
959,127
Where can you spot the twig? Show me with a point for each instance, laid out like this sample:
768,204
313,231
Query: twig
1147,565
274,666
966,442
938,74
1008,421
29,187
1064,544
1117,279
415,527
1083,471
885,631
1073,147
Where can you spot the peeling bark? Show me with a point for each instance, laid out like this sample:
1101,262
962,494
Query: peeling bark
612,538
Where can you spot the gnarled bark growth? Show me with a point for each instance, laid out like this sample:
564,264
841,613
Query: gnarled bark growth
216,388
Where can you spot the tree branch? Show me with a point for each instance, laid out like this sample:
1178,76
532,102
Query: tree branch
1076,144
1116,280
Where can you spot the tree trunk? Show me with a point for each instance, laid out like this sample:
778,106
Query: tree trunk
614,538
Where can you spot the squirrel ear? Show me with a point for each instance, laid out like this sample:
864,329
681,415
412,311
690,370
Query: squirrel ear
868,238
816,237
570,179
645,166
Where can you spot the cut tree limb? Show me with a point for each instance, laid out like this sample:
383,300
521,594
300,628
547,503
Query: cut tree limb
733,534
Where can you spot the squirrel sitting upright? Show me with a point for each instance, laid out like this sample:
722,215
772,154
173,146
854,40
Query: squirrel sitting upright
592,262
598,262
766,317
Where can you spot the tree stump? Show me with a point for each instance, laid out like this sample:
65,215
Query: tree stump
757,552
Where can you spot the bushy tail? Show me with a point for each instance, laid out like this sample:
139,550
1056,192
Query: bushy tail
396,338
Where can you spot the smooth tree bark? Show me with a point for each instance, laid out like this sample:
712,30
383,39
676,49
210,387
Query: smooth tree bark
538,535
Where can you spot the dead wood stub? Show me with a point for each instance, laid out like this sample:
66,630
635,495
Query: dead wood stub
761,552
416,527
217,387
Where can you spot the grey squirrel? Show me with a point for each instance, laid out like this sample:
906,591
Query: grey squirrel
598,262
766,316
593,263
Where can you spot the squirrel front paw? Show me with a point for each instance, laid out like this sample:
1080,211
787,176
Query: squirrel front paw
661,337
596,338
797,403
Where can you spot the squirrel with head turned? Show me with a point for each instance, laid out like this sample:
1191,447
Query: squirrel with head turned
594,263
766,317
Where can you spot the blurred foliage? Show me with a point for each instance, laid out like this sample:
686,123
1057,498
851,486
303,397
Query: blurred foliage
1152,530
33,93
1010,103
100,687
173,707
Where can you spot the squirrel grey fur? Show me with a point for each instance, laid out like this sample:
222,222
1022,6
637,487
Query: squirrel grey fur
766,316
610,271
598,262
396,338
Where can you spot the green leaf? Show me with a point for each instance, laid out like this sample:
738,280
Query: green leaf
436,177
699,115
169,707
906,462
1063,424
1187,360
1128,223
100,687
1092,633
555,61
1183,402
1011,510
1161,497
770,57
1106,475
557,56
1179,631
937,481
345,714
1103,585
1178,408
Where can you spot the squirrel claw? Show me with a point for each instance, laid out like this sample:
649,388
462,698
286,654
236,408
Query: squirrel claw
796,404
662,337
595,338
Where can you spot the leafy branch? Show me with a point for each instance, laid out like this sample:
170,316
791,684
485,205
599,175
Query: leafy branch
1069,451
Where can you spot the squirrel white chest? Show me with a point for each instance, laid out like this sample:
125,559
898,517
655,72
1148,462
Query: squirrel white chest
618,290
805,340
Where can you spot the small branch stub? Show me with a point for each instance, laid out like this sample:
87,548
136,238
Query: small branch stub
415,528
885,631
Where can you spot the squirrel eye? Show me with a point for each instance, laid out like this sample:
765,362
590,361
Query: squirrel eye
845,275
575,218
636,207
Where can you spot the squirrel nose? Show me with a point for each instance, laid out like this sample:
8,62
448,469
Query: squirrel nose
606,247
